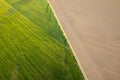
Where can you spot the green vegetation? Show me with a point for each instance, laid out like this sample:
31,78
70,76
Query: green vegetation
39,12
32,46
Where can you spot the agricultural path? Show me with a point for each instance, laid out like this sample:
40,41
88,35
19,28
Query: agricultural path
93,30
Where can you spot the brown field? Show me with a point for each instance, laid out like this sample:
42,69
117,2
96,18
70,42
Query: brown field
93,29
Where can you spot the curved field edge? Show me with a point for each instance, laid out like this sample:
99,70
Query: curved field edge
27,52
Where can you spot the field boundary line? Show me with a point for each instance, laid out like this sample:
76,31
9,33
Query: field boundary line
64,33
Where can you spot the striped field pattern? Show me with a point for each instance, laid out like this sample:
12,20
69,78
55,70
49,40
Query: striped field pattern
32,46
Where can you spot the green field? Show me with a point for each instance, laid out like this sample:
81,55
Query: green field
32,46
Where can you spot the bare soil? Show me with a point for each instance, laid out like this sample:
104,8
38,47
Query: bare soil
93,29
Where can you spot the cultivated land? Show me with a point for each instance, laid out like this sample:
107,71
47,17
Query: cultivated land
32,46
93,29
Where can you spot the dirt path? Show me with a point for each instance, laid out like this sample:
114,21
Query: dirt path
93,29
